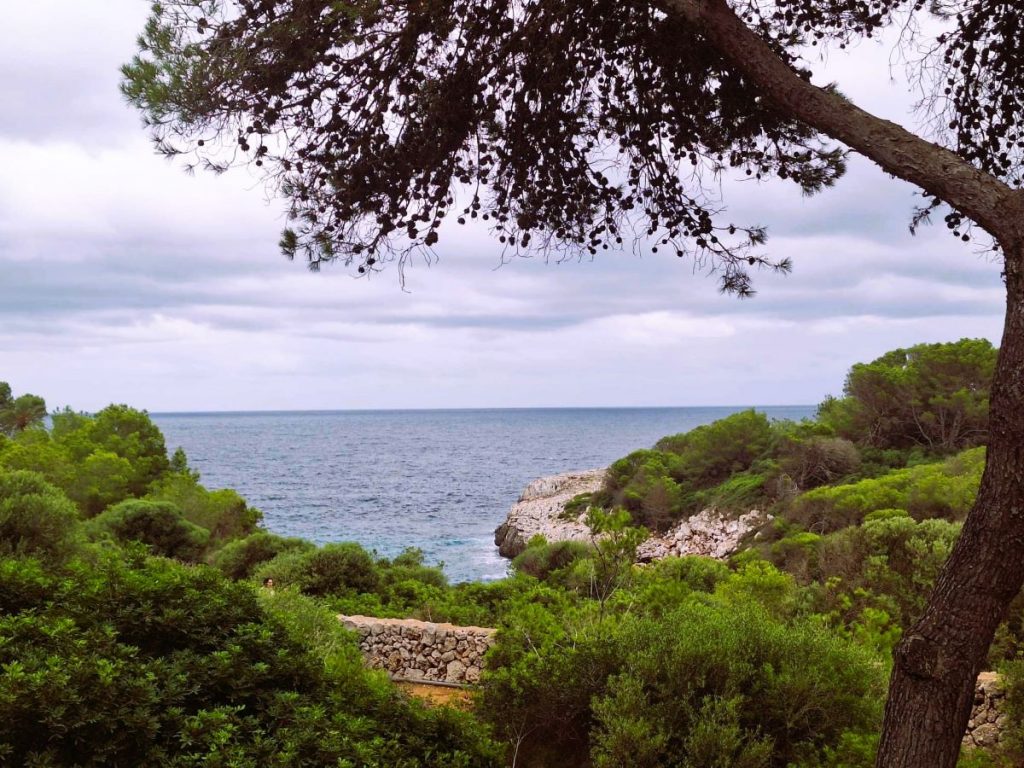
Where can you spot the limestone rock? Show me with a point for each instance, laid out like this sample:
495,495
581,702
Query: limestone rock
539,511
707,533
542,504
456,672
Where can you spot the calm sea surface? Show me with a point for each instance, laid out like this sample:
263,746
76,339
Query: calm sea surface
438,480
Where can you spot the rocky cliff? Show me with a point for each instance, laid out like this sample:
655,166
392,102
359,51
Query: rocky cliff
539,510
540,507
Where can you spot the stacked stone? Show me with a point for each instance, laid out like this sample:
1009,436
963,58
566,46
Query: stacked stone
984,730
422,651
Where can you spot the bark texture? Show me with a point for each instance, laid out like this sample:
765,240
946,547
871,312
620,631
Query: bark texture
938,661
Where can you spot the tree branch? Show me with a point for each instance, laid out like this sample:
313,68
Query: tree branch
998,208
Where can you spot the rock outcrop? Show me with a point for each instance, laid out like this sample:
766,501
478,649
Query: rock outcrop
541,506
422,651
707,533
539,511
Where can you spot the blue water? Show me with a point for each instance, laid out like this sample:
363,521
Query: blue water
438,480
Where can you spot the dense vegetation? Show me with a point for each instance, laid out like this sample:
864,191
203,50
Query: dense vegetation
133,630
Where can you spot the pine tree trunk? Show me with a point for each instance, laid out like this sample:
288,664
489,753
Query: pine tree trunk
937,663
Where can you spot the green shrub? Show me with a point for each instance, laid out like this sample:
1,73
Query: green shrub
819,460
157,524
238,559
713,682
541,559
576,506
334,569
99,480
742,492
710,454
144,662
35,518
943,489
223,513
642,484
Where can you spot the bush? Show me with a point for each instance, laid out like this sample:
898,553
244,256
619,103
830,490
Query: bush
944,489
334,569
35,518
720,463
157,524
716,681
641,483
541,559
819,460
742,492
238,559
138,661
223,513
710,454
102,478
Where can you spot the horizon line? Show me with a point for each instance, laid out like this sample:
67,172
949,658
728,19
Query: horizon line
315,411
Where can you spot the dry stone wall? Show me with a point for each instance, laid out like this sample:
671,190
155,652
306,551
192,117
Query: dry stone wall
984,730
421,650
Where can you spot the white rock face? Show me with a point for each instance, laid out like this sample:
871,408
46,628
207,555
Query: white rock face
539,508
707,533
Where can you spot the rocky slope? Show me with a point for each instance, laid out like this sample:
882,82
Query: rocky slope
540,507
707,533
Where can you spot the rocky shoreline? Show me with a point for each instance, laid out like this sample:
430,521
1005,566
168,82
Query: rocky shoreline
539,511
541,505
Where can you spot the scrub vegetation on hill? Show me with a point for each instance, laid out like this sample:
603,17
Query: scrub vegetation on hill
134,630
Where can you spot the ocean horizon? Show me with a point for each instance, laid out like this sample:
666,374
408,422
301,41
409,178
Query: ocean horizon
440,480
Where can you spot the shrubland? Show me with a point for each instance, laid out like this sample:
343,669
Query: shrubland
134,631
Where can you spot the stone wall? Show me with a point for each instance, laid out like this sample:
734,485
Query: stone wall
421,650
984,730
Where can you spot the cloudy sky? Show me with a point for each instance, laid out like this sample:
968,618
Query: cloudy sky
122,279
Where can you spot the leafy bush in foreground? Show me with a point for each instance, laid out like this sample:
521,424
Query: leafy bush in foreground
35,517
708,679
129,660
238,559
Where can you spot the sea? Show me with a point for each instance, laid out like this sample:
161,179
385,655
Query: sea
439,480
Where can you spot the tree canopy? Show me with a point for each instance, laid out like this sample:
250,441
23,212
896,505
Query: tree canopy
568,127
930,395
19,413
